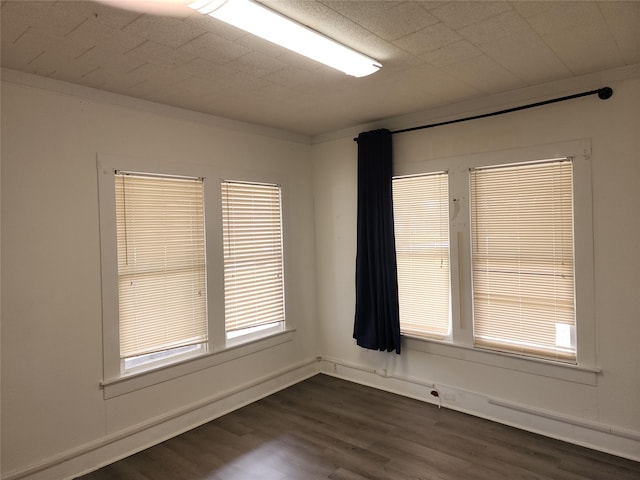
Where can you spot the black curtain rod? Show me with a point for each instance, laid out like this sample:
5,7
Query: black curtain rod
603,93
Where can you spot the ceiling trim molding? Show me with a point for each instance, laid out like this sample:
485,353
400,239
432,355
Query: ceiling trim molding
104,97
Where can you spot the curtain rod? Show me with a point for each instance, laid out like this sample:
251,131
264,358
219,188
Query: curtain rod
603,93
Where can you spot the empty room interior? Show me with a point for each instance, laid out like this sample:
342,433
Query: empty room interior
201,224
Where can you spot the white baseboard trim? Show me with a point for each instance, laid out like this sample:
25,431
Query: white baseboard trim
124,443
91,456
586,433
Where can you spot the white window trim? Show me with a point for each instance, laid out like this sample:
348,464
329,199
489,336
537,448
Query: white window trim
124,385
219,349
460,342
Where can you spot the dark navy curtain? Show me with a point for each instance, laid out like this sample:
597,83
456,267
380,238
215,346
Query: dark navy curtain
377,320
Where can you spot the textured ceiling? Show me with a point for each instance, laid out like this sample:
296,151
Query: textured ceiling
433,53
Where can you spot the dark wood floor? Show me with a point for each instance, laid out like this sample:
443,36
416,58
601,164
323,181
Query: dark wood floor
326,428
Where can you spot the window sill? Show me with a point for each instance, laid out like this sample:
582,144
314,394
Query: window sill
562,371
130,383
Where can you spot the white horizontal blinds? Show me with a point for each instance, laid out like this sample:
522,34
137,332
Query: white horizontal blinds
523,275
253,268
421,219
161,263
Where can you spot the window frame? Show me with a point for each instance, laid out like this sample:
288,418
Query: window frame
219,349
461,342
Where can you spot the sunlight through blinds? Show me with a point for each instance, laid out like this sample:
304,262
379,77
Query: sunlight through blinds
161,263
523,275
253,264
421,221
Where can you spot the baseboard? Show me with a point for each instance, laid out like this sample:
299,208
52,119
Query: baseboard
594,435
70,464
124,443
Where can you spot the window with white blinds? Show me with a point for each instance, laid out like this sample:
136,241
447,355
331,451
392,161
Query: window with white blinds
161,263
421,221
253,260
523,259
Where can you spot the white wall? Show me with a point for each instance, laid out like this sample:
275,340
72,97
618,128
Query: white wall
55,420
599,410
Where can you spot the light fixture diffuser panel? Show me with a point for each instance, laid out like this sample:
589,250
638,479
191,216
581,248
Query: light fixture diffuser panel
269,25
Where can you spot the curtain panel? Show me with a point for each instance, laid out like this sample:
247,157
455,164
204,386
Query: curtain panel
377,320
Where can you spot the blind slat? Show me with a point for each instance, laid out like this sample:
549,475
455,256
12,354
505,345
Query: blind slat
421,222
253,265
161,263
522,259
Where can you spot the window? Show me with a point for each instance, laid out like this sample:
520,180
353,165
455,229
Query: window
522,259
495,257
421,218
192,268
253,266
161,266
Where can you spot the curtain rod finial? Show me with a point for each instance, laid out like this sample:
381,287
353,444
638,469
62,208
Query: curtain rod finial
605,93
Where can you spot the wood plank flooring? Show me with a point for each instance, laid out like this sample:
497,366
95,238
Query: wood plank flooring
326,428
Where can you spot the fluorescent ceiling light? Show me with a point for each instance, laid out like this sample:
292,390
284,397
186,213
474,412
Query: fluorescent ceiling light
265,23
